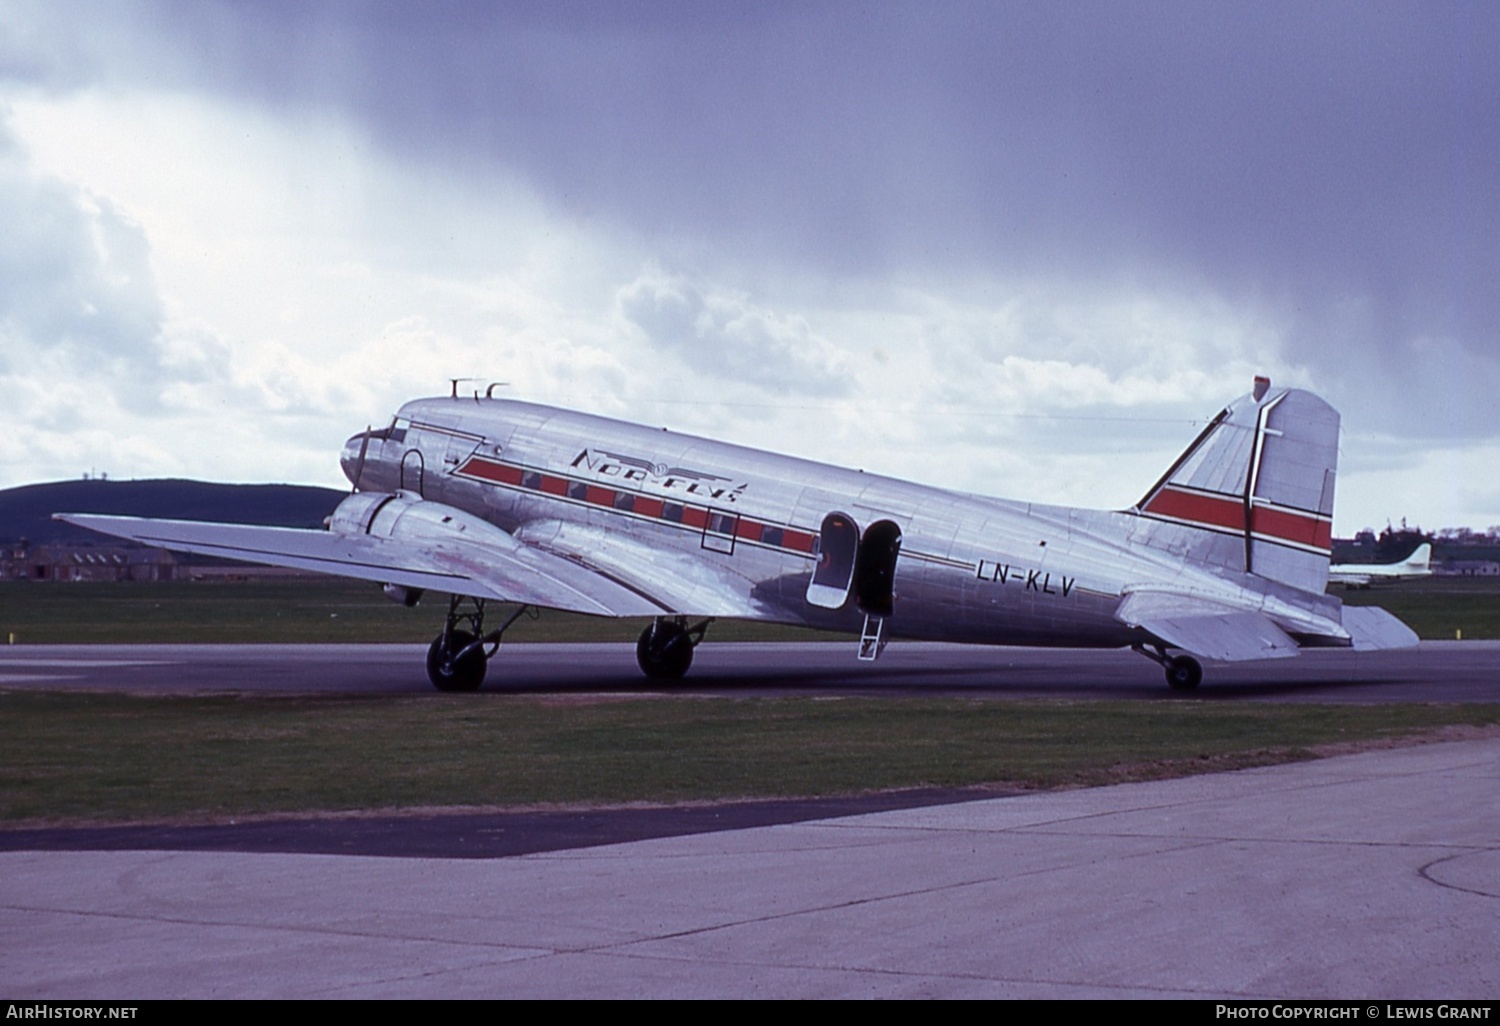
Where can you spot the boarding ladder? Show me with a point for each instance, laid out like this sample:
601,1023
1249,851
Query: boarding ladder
872,639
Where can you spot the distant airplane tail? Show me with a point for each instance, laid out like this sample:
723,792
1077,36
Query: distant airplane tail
1420,561
1254,492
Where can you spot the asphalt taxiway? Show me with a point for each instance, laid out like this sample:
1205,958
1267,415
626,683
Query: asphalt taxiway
1436,671
1364,877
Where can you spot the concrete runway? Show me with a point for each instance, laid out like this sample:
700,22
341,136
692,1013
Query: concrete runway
1437,671
1367,877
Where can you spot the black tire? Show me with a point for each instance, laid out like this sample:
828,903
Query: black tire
463,674
664,651
1184,673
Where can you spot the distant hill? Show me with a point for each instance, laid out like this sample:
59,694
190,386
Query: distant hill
26,512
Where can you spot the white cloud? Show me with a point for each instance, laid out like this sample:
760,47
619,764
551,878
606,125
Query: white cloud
724,335
1045,391
73,274
294,278
1446,486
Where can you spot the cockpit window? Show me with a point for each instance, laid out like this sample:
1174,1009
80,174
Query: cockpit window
395,433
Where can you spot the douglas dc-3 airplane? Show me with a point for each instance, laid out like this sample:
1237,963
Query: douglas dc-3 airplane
1225,558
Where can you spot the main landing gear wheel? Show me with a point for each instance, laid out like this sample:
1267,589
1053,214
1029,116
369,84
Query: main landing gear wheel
1184,673
452,665
457,658
665,649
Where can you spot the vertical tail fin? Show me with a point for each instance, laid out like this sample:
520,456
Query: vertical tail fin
1420,561
1254,492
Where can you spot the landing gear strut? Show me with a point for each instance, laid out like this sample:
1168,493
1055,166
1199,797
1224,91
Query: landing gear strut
458,657
1184,673
665,650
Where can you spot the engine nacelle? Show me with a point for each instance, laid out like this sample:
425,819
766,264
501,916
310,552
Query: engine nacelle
357,514
401,594
444,533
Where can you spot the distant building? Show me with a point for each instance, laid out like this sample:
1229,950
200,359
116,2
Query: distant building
1467,568
24,562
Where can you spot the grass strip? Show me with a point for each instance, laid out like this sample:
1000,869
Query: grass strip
1439,608
317,610
74,758
334,610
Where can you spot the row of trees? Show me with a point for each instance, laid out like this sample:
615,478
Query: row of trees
1396,543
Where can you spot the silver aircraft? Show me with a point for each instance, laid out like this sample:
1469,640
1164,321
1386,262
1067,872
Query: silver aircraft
1225,558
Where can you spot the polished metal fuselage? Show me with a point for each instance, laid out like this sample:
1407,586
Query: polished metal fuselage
738,529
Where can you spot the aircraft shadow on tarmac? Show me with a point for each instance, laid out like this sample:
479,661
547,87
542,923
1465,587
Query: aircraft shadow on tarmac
971,681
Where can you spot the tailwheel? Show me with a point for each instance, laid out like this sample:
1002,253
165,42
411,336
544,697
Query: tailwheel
1184,673
455,662
665,649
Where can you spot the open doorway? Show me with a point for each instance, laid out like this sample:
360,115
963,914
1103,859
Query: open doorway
875,568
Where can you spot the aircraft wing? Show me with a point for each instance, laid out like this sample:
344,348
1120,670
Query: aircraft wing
1206,628
459,555
675,580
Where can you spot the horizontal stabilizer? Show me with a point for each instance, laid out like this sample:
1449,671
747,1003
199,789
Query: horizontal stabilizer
1206,628
463,556
1372,627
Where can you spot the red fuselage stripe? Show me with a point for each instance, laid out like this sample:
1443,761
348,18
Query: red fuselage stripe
800,541
492,471
641,505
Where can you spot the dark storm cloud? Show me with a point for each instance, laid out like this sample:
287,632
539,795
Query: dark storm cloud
1230,130
1331,163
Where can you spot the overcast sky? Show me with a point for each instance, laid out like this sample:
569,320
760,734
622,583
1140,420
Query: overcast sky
1017,248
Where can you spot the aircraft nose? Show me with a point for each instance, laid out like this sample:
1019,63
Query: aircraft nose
352,459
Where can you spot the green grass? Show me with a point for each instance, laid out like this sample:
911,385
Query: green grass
108,757
333,610
321,609
1438,607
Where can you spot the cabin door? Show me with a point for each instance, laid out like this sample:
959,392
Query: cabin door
413,470
838,549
